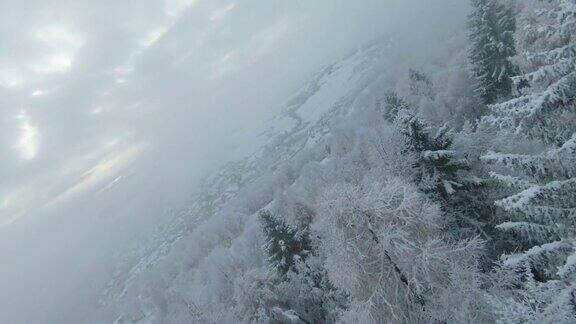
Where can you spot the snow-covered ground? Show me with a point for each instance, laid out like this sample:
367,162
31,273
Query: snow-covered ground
160,280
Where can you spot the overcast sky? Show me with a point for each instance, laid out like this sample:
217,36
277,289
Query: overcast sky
110,110
86,87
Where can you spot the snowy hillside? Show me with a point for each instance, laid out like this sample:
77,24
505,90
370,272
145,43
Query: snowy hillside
207,263
436,187
295,138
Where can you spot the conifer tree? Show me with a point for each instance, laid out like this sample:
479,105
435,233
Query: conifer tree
285,245
541,210
435,164
492,26
437,168
420,84
541,222
442,173
304,282
545,108
391,105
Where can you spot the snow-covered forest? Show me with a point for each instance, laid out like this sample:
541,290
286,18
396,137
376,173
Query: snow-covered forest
426,176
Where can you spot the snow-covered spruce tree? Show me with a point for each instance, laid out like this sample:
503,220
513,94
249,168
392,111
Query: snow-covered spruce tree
476,204
305,293
439,171
541,220
450,175
420,84
492,25
545,108
435,165
385,247
309,294
391,105
285,244
541,211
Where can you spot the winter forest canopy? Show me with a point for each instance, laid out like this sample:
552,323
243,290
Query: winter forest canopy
291,162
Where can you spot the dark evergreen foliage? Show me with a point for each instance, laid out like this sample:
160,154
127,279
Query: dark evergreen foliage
285,244
391,105
492,26
437,168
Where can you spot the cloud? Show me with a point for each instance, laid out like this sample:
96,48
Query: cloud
221,12
27,144
96,178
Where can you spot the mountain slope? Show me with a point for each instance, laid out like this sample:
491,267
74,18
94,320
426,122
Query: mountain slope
230,198
202,265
